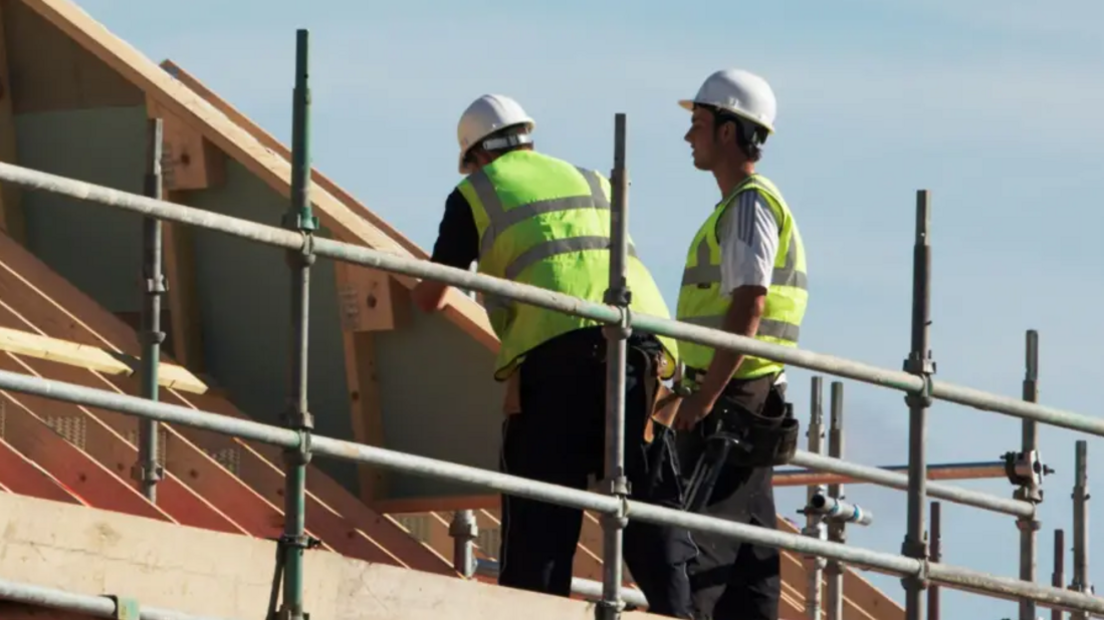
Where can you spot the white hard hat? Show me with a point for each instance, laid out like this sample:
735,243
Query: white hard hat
740,92
485,116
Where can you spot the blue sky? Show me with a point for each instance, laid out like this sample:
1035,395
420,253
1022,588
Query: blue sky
993,106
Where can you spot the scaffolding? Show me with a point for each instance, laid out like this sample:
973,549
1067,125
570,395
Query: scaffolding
918,565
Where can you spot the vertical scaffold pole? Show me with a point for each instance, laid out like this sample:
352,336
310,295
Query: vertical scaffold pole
148,471
1081,525
936,555
837,530
300,217
919,363
618,295
814,525
1030,491
464,530
1058,577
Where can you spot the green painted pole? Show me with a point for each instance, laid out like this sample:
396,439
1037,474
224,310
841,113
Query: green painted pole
148,471
299,218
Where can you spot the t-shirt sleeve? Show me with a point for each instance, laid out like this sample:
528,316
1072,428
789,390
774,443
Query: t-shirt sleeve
457,242
748,236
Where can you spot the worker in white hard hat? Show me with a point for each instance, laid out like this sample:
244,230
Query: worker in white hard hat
535,219
745,274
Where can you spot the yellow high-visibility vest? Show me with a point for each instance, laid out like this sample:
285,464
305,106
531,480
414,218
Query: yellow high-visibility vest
545,222
701,303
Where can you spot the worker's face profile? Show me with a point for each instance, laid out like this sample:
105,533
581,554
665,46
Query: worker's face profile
702,138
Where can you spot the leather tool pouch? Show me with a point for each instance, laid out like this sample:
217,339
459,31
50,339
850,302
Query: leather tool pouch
766,439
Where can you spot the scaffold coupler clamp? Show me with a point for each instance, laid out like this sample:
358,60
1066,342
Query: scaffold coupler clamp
301,453
141,473
304,256
917,550
814,530
923,366
619,298
619,488
125,608
1026,471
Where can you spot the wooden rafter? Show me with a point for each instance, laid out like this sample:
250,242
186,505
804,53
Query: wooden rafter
34,427
18,474
253,493
90,357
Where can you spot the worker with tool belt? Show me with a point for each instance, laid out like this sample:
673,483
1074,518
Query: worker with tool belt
538,220
745,274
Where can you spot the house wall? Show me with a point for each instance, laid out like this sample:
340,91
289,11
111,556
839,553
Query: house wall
438,400
244,300
74,116
97,248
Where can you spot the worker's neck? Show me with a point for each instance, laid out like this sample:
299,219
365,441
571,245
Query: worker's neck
730,175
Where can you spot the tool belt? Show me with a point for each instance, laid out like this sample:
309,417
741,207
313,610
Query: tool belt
737,437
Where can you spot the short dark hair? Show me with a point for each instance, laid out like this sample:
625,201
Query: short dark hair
750,136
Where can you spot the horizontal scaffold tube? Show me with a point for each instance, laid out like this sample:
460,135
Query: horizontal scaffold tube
941,471
85,604
387,261
895,480
956,577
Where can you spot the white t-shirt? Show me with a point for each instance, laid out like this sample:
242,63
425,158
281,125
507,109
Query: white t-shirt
748,235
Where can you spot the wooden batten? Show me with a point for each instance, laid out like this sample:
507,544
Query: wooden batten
92,358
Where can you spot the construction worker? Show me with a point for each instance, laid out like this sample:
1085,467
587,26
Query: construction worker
744,274
535,219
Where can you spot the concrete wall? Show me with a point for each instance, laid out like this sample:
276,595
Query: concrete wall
169,566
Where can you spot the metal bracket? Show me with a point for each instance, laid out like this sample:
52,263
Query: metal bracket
623,326
304,542
142,474
917,550
303,221
619,486
604,610
619,296
304,256
464,529
923,367
301,454
125,608
1026,470
152,337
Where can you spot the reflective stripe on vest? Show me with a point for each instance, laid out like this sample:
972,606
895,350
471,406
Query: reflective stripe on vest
538,231
701,303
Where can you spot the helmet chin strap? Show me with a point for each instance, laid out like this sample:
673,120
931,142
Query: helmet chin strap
495,144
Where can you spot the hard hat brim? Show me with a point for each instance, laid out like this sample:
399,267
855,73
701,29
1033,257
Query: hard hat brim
688,104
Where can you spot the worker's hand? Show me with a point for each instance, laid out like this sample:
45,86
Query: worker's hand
692,410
